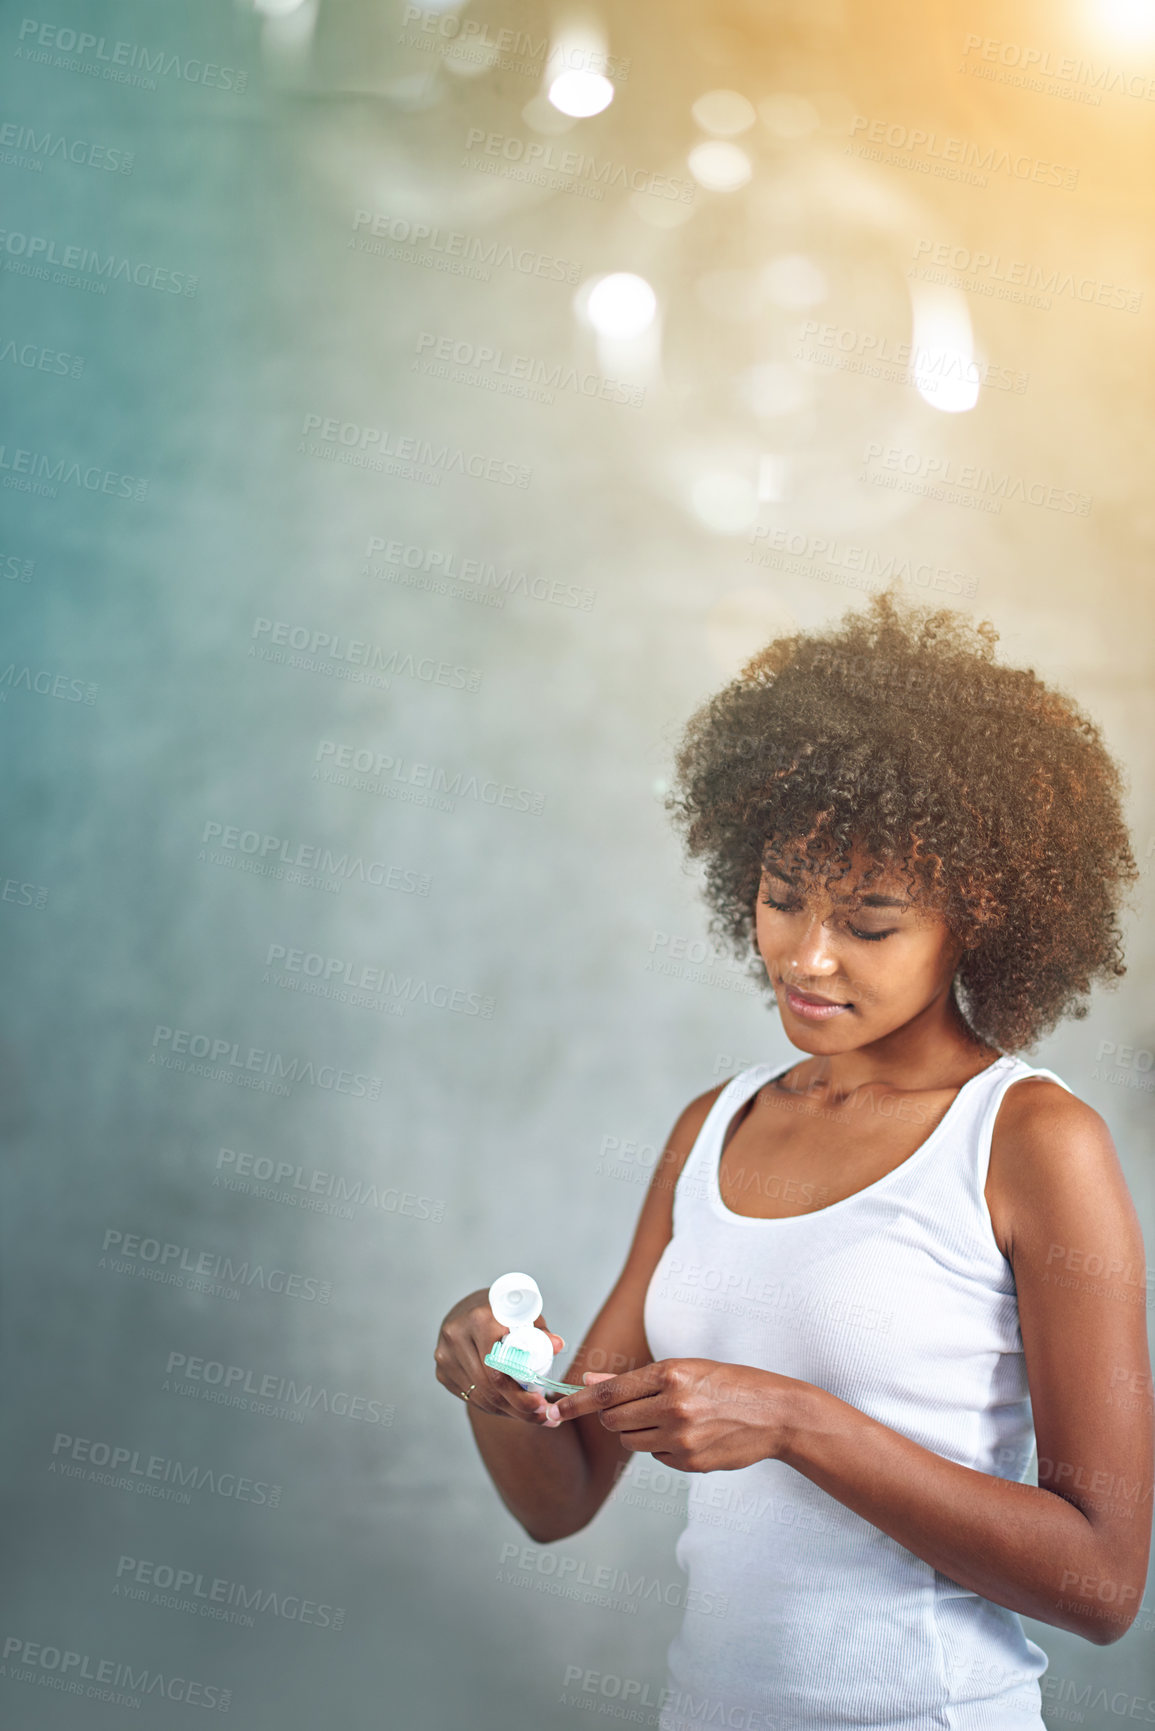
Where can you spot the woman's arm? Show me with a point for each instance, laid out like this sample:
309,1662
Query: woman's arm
1071,1551
555,1477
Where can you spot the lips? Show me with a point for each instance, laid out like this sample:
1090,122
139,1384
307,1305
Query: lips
811,1008
810,998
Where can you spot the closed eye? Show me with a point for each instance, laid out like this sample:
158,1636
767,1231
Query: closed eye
788,908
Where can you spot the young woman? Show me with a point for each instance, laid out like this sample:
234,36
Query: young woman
867,1284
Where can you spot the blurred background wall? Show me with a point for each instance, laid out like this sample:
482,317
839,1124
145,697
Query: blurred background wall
391,461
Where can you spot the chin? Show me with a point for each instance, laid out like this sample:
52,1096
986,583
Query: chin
821,1042
821,1039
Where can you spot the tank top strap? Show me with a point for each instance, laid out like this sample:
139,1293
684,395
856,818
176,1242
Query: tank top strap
959,1146
1001,1075
697,1175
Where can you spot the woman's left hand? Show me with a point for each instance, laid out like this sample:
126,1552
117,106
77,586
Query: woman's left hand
697,1415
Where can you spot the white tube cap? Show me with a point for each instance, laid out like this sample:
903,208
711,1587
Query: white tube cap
515,1300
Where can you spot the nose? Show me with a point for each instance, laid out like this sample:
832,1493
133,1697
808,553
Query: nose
811,950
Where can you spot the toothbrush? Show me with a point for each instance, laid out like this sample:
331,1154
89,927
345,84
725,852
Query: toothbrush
525,1353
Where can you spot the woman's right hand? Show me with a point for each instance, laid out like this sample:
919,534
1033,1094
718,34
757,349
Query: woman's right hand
467,1333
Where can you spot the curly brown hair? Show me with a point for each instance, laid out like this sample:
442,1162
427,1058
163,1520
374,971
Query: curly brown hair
897,733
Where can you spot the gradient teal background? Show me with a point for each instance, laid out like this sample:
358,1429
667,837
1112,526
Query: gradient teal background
483,1134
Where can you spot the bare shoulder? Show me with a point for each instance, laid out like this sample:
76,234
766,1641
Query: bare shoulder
1040,1123
692,1117
655,1219
686,1131
1053,1164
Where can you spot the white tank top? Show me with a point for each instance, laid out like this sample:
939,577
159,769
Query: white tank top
800,1614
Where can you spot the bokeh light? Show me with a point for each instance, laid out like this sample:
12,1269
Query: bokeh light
581,93
1132,19
942,349
720,167
724,111
621,305
724,500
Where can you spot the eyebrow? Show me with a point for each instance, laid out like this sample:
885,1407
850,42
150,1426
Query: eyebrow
871,901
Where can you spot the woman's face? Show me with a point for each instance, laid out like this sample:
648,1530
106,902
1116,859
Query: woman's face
846,978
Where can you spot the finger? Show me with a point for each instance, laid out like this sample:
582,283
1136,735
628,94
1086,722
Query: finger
462,1372
646,1442
610,1391
556,1339
495,1391
632,1415
451,1368
507,1399
460,1381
